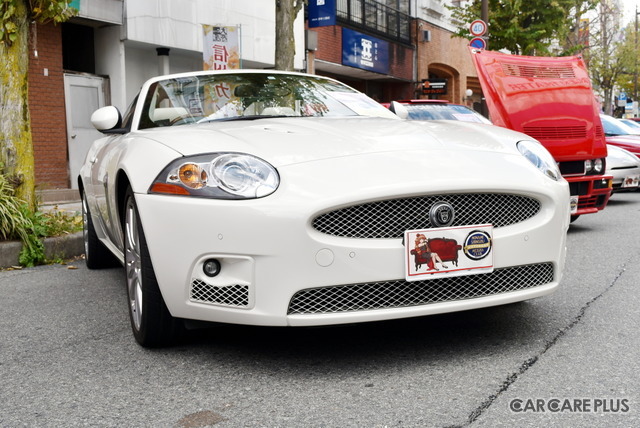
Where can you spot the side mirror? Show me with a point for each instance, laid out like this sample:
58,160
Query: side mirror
400,110
106,119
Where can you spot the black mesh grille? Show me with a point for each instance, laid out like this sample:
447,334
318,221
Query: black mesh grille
572,167
390,218
399,294
231,295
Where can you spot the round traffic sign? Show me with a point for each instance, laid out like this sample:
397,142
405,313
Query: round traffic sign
478,27
478,43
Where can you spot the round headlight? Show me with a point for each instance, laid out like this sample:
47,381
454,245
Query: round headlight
598,165
540,158
244,175
588,165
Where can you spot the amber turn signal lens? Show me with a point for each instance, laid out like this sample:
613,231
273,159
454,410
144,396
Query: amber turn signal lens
193,176
171,189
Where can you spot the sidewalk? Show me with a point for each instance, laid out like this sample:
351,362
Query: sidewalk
60,247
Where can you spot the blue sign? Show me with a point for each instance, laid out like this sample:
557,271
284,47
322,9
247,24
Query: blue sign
365,52
322,13
478,43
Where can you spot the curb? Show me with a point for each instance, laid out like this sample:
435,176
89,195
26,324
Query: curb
58,247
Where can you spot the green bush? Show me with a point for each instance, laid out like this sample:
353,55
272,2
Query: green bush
17,221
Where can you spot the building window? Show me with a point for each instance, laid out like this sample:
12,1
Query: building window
387,18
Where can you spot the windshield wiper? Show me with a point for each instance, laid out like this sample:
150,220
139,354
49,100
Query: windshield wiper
250,117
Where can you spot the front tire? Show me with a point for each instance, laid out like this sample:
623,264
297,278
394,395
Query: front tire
151,322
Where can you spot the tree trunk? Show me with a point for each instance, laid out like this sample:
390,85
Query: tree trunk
286,12
16,148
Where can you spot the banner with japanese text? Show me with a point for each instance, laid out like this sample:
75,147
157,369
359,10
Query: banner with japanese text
221,47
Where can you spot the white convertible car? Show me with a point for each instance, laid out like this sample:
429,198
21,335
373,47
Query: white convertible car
285,199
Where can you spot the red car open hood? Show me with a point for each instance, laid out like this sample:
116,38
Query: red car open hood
549,99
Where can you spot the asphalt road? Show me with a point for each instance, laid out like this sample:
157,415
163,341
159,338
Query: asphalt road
67,357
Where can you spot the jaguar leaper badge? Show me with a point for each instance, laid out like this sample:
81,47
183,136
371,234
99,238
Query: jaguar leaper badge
441,214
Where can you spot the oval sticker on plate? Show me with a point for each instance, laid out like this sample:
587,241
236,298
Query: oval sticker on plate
477,245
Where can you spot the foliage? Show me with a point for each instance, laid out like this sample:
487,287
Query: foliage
32,252
13,222
57,222
45,224
611,54
628,53
524,27
17,221
41,11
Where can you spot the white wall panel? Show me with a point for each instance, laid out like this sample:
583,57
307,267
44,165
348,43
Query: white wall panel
178,24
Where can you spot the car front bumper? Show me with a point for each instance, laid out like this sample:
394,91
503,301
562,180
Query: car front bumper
270,252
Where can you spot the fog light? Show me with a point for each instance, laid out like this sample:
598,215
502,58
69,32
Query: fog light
211,267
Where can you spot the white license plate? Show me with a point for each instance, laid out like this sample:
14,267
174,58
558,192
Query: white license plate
573,202
631,181
448,251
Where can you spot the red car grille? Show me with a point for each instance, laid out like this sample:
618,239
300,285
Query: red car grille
555,132
599,132
536,71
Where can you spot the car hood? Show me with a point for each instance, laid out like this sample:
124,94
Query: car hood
620,158
549,99
286,141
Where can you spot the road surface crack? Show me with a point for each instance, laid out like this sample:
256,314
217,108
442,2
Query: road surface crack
527,364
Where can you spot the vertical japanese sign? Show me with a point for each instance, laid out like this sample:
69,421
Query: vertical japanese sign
221,47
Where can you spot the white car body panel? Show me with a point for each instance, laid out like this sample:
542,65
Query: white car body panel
623,166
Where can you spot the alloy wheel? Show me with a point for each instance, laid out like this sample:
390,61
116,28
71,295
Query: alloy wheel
133,264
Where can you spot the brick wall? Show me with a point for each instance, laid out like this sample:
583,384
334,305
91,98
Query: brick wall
400,63
448,57
46,104
329,44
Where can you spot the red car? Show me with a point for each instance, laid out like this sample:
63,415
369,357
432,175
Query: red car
551,100
619,134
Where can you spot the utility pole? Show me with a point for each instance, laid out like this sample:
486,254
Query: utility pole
635,68
484,12
484,15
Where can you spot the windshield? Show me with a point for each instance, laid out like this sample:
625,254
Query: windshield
614,126
444,112
249,96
